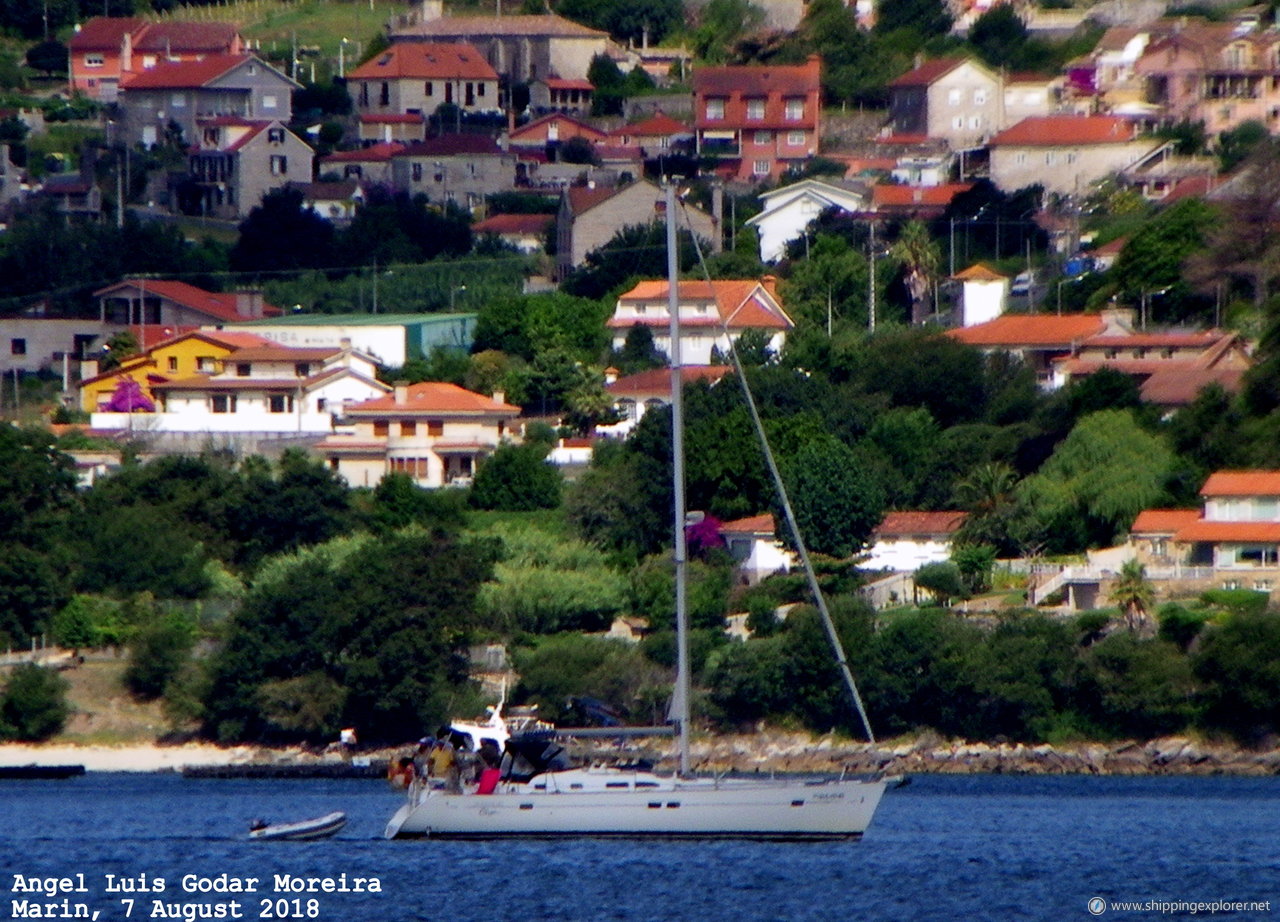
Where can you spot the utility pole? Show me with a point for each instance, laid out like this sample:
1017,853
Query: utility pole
871,279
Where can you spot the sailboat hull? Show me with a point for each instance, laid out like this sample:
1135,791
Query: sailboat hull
695,809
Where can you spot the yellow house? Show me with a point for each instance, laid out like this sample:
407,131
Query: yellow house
185,356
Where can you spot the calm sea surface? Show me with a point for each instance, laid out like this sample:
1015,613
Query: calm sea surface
945,847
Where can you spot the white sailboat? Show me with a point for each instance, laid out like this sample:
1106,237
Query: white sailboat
538,798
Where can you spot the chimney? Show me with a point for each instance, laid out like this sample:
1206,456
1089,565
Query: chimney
499,396
345,344
249,303
611,375
401,392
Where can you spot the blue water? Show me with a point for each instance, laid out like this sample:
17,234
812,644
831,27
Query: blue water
945,847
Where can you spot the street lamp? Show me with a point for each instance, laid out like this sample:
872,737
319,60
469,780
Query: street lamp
1061,282
453,296
1146,301
342,61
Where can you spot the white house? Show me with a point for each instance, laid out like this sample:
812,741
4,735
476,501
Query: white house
755,548
711,315
983,294
905,541
436,433
259,389
634,395
787,211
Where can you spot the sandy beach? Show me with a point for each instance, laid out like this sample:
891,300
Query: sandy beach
140,758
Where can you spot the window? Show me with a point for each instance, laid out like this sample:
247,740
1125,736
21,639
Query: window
384,94
979,97
1071,157
795,139
381,428
93,60
763,137
173,363
1257,556
17,347
302,369
279,165
270,102
408,427
435,427
480,90
975,121
760,167
1049,158
364,94
1020,158
957,122
953,97
279,403
223,403
415,171
243,369
755,108
177,100
275,135
206,363
715,108
429,88
794,110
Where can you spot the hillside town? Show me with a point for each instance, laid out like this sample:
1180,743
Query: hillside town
1002,278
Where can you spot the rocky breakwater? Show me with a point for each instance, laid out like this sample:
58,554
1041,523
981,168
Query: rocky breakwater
794,752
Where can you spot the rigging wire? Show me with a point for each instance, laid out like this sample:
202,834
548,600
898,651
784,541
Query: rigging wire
819,599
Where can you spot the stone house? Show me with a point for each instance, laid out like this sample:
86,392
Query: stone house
957,99
457,168
416,78
590,216
1066,154
561,94
366,165
235,162
176,97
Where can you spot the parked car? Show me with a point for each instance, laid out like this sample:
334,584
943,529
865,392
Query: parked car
1022,283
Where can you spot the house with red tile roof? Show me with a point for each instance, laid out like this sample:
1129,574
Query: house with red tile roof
634,395
552,129
656,135
1237,531
1040,338
591,215
957,99
759,121
334,201
1169,367
712,314
173,303
520,47
183,93
561,94
234,162
753,544
923,202
1066,154
983,294
457,168
372,164
106,50
436,433
526,232
906,541
416,78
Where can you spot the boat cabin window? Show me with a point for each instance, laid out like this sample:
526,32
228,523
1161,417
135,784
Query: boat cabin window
617,784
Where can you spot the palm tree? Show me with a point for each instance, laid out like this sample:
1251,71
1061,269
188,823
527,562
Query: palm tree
921,262
1133,593
987,494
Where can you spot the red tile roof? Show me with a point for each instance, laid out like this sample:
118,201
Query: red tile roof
1242,483
928,72
751,525
514,224
1163,521
561,83
584,198
436,397
452,145
532,128
1177,387
178,36
381,152
547,24
1192,339
1066,131
218,306
891,196
655,125
272,352
979,272
1230,531
738,301
759,80
920,523
657,381
426,61
1042,330
103,33
180,75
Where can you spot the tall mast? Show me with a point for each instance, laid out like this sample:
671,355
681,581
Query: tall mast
681,709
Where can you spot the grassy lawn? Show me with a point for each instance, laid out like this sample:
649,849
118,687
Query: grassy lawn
318,25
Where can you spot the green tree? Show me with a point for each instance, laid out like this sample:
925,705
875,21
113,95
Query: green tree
608,670
157,653
1137,687
280,234
1133,593
1153,260
942,579
721,24
927,18
975,563
517,478
1239,664
1237,144
921,261
836,504
33,705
